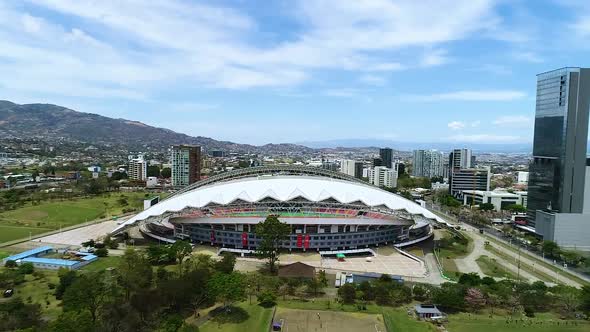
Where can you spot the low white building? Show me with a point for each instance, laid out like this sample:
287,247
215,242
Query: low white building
500,199
151,181
382,176
522,177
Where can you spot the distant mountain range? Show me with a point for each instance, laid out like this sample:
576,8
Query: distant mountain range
408,146
52,123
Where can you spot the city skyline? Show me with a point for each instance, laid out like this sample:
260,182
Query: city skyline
288,71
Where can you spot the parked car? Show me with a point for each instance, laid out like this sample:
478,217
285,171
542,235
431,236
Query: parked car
9,292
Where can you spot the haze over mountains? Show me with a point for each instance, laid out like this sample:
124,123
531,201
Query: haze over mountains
50,123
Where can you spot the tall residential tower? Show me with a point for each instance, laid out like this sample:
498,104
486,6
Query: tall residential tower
186,164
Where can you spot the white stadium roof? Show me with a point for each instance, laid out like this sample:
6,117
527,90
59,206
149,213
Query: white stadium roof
282,188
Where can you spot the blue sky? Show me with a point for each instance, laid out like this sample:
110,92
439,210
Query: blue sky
290,71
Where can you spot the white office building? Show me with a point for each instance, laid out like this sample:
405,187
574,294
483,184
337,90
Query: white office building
500,199
382,176
352,168
522,177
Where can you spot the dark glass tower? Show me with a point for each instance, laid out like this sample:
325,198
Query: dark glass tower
386,155
557,172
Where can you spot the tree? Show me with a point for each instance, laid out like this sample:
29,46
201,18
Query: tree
227,288
10,264
323,279
72,321
347,293
101,252
16,315
585,298
26,268
134,272
227,263
153,170
314,286
486,207
89,243
550,248
180,250
272,232
474,299
516,208
449,297
267,298
166,172
88,292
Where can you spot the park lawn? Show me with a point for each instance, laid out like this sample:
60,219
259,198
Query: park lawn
416,251
258,320
39,292
397,319
482,323
490,267
101,264
4,254
10,233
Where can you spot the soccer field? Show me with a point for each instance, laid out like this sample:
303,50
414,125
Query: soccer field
295,320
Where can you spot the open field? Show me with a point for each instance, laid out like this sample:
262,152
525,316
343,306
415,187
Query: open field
296,320
395,319
252,317
541,323
492,268
101,264
35,290
52,215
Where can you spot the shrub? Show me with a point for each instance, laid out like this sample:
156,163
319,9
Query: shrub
10,264
102,252
26,268
267,298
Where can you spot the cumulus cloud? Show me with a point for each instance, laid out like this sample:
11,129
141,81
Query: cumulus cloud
456,125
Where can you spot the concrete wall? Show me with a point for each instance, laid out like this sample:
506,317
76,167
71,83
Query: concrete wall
568,230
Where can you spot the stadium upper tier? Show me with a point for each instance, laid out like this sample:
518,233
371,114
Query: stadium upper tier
282,188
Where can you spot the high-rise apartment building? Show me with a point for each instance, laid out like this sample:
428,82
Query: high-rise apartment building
386,155
460,158
137,169
186,164
382,176
559,187
428,163
352,168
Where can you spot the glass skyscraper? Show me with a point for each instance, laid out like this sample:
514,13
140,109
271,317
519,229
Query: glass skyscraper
557,172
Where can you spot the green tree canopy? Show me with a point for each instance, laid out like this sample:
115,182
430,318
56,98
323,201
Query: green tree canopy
272,232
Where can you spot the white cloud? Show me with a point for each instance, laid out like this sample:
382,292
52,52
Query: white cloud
471,95
345,92
486,138
528,57
373,80
456,125
435,58
145,46
513,121
475,124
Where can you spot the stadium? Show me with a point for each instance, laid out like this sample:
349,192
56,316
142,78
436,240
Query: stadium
326,211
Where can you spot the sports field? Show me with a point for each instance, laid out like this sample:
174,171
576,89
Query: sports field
295,320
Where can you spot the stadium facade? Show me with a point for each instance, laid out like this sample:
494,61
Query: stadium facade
326,211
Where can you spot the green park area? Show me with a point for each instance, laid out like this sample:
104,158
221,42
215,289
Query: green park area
450,246
30,220
242,317
490,267
540,323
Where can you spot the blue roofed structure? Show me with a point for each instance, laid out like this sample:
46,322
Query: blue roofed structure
33,252
50,261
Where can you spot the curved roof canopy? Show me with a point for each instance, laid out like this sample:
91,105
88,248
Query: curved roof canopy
282,188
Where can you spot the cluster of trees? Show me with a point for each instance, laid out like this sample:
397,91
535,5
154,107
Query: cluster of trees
573,258
405,181
447,200
383,291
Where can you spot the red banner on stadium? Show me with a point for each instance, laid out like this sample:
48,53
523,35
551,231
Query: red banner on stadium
244,239
212,236
306,243
299,241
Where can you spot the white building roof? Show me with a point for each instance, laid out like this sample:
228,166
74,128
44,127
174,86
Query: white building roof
283,188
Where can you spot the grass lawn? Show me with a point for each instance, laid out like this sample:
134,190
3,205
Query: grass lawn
257,319
491,268
415,251
101,264
4,254
541,323
398,320
51,215
9,233
528,268
37,291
